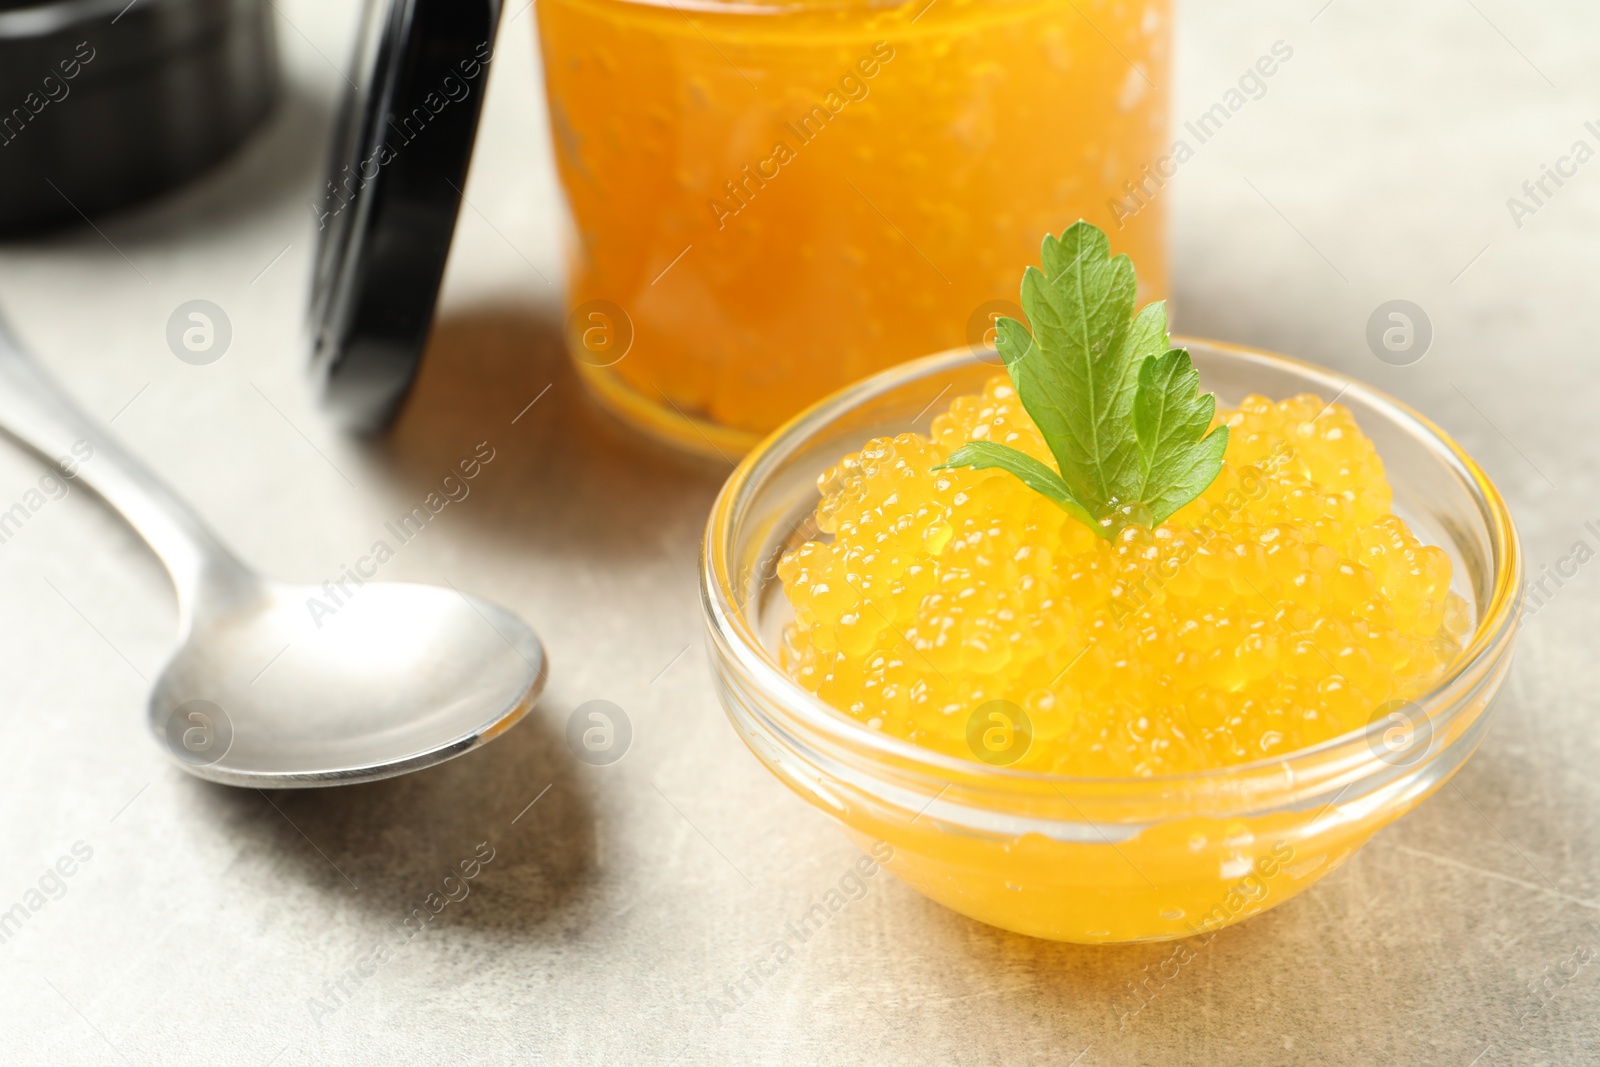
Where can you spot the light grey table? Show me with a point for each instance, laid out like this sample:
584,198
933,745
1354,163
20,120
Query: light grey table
209,925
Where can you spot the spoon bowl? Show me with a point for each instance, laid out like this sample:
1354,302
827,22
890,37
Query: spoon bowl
279,687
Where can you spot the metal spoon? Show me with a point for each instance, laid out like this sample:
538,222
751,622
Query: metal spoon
259,693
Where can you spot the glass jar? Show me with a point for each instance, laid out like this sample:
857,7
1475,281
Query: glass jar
773,199
1101,859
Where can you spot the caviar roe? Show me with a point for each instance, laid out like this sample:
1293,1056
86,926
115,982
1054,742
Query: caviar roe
1281,608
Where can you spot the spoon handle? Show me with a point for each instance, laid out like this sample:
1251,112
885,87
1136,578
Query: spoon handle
38,414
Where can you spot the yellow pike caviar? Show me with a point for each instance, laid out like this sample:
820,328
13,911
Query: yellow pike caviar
1281,608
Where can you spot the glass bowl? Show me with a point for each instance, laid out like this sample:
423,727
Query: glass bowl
1102,859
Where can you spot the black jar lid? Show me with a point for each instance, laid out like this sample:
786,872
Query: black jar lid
401,147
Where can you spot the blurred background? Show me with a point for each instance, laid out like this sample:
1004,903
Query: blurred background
1380,164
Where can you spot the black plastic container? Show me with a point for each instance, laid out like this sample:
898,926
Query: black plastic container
106,102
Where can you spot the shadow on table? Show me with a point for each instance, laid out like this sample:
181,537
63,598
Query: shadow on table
514,807
567,479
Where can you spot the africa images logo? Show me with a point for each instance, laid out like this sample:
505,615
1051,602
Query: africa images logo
344,189
853,88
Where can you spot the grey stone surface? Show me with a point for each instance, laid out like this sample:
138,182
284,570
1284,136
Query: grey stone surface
211,925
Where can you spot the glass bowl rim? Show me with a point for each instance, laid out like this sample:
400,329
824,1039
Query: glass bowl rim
728,625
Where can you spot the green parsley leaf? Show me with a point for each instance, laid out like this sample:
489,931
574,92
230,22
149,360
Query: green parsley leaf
1033,474
1121,414
1170,417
